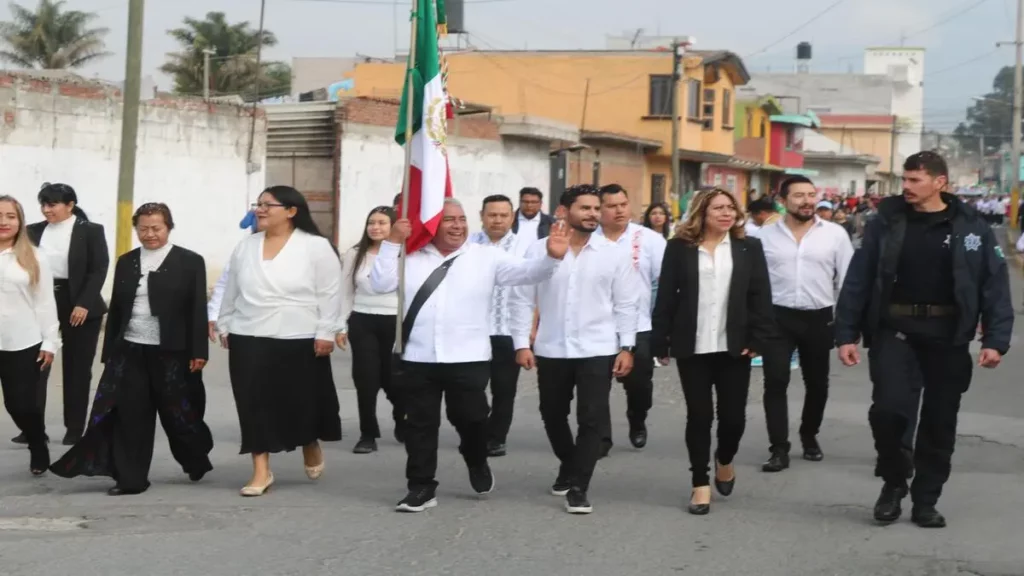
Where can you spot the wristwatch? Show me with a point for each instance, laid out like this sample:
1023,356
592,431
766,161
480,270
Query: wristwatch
630,349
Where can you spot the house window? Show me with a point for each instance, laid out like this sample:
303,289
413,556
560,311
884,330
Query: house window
709,108
789,138
660,97
726,108
693,99
657,188
764,128
750,124
730,184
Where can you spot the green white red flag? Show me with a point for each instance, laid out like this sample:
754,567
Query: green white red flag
429,178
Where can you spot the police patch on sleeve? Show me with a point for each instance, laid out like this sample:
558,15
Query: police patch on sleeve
999,252
972,242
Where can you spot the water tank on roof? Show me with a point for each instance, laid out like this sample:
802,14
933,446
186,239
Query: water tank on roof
803,51
455,10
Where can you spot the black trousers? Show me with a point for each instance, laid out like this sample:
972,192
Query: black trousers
638,385
464,388
895,362
504,383
372,337
810,332
153,383
76,358
21,380
729,376
591,379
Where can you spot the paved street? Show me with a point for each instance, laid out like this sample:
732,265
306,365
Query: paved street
814,519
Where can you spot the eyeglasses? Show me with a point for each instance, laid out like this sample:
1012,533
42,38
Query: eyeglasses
265,205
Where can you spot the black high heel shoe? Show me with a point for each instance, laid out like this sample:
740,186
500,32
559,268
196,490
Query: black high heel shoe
724,487
39,459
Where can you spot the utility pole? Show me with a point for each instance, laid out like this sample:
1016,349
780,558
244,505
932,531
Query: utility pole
129,126
892,158
206,72
1018,101
981,159
678,51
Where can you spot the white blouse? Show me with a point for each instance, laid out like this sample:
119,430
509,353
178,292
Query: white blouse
28,314
715,278
55,245
143,327
362,298
295,296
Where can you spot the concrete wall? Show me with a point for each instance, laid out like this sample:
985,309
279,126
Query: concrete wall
191,156
838,179
481,164
906,67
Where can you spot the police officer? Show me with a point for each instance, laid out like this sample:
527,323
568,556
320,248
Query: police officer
928,269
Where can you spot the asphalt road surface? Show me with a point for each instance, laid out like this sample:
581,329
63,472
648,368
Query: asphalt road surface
814,519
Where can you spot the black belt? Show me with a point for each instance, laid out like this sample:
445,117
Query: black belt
921,310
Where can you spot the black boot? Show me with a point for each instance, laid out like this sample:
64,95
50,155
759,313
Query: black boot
927,517
778,462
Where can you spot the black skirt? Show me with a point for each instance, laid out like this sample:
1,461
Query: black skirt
284,394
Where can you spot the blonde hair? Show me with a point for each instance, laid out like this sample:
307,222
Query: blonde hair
24,252
692,228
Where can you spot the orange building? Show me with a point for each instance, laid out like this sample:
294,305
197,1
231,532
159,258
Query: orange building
620,100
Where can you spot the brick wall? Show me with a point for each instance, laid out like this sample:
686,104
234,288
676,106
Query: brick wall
384,112
618,165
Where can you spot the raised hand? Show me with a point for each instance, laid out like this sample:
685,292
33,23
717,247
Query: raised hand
400,231
558,240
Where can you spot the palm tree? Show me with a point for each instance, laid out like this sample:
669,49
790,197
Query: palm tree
233,64
50,37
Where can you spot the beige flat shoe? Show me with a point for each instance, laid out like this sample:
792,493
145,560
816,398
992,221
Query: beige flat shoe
314,472
253,491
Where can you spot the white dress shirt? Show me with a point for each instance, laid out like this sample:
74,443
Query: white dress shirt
751,227
806,275
55,245
362,298
28,314
499,301
714,278
526,232
143,327
646,251
295,296
587,309
213,306
454,324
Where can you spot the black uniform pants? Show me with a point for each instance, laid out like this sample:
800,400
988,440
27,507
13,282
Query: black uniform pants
21,380
464,389
558,380
76,357
810,333
372,337
729,377
896,361
639,386
504,383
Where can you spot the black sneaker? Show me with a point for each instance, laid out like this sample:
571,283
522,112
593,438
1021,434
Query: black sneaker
496,449
560,487
481,478
576,502
365,446
417,501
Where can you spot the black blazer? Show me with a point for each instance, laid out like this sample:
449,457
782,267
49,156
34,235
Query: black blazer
750,323
177,296
88,261
543,229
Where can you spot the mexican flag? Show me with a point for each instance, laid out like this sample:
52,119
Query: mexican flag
429,180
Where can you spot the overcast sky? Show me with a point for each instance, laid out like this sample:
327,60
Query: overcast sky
961,60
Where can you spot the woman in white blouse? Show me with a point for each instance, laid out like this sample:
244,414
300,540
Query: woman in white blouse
279,319
368,323
29,330
714,313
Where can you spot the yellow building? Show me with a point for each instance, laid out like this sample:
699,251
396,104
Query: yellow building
622,93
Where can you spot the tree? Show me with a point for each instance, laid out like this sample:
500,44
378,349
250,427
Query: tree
233,68
51,38
990,116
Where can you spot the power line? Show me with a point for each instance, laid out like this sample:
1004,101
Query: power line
947,19
797,29
964,63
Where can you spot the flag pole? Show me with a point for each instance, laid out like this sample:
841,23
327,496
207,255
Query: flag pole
411,93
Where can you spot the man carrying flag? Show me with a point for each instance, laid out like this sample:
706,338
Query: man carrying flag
445,343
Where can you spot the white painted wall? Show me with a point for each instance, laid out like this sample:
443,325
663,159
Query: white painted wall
194,160
835,178
371,173
906,67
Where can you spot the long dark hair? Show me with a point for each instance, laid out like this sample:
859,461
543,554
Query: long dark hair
50,194
667,228
364,243
303,220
